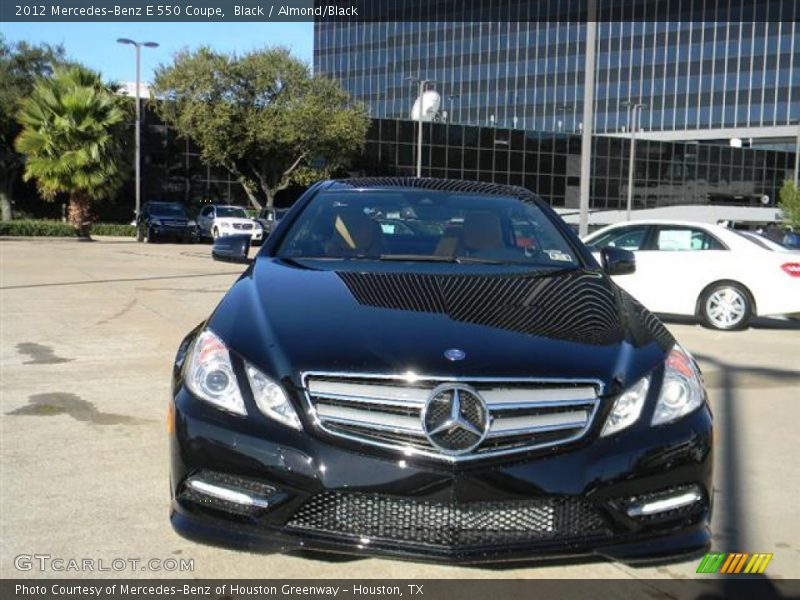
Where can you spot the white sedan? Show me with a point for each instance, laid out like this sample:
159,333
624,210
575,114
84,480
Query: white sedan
703,270
219,220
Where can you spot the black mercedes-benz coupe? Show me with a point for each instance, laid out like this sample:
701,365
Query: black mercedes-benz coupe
437,369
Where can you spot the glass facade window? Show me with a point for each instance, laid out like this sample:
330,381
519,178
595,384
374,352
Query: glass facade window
528,74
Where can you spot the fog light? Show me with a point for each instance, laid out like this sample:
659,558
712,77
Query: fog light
661,502
219,488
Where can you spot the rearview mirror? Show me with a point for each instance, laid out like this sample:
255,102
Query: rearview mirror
231,248
617,261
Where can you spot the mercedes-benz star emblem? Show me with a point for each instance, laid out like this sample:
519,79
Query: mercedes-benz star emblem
455,418
455,354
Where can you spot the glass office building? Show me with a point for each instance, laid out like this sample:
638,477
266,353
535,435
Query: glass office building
666,173
710,79
548,163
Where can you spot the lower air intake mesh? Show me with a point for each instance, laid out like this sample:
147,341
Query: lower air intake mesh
448,525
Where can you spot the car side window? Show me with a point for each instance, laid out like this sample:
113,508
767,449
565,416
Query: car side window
205,211
686,238
627,238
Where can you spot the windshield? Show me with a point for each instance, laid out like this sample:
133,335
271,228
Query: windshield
760,241
168,210
231,211
421,225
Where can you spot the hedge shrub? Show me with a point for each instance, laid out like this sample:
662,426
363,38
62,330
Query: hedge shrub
31,227
35,227
121,230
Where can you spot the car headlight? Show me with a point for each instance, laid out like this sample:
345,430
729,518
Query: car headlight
271,399
210,375
156,222
224,225
191,223
682,390
627,407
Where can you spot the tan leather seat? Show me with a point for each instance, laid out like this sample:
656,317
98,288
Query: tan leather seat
354,233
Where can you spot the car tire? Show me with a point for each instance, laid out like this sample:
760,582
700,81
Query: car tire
214,233
139,234
149,237
726,306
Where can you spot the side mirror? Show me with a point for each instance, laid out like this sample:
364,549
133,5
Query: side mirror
617,261
232,248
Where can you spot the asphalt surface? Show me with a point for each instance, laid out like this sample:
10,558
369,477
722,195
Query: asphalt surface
88,332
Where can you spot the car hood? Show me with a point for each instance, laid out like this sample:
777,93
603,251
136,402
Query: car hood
382,318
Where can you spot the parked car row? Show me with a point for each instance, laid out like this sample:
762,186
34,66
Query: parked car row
170,220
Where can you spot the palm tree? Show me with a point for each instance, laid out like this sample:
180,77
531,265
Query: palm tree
70,137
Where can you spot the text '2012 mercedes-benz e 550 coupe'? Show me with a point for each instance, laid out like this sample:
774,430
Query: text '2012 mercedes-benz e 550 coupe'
439,370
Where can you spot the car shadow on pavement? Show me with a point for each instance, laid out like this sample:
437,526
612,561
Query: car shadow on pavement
730,528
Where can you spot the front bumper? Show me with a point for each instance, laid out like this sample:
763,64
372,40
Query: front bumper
180,231
553,503
256,235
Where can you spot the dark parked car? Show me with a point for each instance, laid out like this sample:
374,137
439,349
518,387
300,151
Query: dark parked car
159,220
269,217
441,392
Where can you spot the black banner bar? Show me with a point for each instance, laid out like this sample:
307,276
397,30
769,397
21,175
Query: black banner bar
702,588
395,10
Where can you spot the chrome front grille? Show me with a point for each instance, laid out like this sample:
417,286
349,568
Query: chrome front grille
387,411
243,226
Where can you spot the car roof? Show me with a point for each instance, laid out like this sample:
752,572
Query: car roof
664,222
432,184
677,222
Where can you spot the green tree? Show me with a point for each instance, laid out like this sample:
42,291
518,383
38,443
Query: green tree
20,65
790,204
262,116
71,139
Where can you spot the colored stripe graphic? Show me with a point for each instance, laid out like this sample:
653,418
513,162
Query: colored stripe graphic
711,562
734,562
758,563
732,558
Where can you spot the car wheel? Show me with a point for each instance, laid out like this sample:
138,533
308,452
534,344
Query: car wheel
149,237
726,306
139,234
214,233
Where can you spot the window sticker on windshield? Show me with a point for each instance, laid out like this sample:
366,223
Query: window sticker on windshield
559,255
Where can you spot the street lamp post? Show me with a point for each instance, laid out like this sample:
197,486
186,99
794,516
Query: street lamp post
137,158
451,98
797,158
422,83
634,111
588,118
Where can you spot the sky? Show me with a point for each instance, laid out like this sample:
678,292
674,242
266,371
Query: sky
94,44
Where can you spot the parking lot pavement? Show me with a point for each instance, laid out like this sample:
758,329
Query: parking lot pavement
87,336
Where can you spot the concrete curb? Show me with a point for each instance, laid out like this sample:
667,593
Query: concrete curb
57,238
